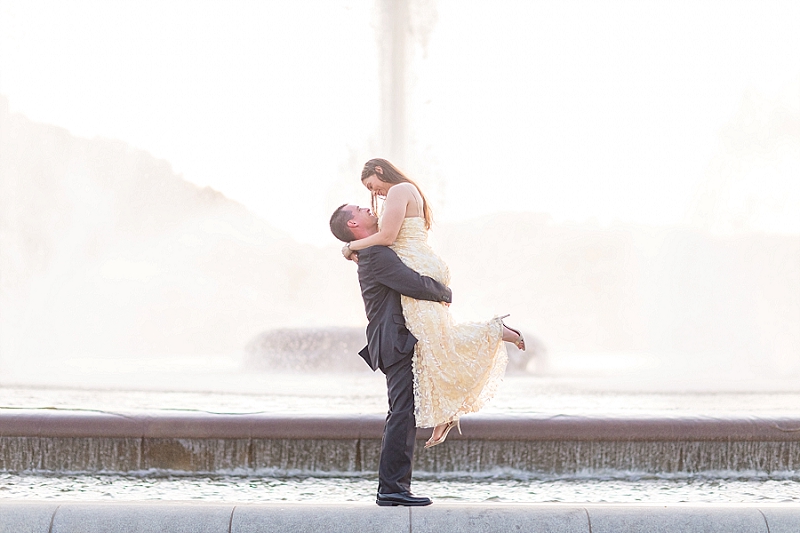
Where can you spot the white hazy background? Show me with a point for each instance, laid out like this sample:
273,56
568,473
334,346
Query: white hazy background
603,116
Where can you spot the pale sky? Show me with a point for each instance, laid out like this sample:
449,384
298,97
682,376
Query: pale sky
585,110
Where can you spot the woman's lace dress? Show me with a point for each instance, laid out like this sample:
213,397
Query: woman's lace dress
457,367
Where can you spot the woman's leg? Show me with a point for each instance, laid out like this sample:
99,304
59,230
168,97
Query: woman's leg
514,337
437,432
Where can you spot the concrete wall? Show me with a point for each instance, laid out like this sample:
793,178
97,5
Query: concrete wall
207,456
182,517
60,441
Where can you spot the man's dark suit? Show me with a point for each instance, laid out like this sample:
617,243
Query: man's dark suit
383,278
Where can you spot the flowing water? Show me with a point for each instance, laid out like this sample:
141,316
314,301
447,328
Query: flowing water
612,385
618,487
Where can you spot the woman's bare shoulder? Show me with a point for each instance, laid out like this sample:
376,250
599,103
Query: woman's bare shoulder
405,189
401,190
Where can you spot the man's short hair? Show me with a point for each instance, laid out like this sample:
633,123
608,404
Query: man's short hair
339,226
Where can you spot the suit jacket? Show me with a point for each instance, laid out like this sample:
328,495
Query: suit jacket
383,278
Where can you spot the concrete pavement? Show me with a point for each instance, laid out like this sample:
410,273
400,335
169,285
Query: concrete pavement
185,517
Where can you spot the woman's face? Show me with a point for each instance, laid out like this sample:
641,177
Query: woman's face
375,185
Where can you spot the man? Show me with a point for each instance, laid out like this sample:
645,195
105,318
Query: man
390,346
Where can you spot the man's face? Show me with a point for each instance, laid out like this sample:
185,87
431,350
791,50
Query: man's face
362,218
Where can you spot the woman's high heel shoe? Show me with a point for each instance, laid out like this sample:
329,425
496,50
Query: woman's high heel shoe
450,425
520,342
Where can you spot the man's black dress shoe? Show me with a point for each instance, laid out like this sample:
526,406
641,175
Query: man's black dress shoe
402,498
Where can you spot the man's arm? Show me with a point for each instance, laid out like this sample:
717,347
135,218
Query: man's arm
389,270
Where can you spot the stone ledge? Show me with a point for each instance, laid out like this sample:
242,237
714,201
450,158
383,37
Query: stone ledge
189,424
145,517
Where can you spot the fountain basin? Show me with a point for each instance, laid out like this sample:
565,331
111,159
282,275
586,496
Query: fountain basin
194,442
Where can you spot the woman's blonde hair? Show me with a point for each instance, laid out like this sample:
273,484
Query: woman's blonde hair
391,174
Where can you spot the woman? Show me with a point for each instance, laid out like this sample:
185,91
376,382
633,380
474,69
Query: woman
457,367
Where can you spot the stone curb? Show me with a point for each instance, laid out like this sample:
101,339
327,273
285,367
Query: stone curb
19,516
68,423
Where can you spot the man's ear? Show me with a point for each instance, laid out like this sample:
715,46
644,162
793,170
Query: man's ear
352,223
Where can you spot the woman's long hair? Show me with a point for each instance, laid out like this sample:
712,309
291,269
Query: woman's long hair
391,174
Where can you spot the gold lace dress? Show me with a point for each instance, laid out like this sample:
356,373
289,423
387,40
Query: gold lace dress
457,367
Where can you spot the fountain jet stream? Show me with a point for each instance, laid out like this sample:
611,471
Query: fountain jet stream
392,39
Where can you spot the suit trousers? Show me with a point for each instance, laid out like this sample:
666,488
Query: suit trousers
400,431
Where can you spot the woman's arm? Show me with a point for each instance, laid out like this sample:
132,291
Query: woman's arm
394,211
384,266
